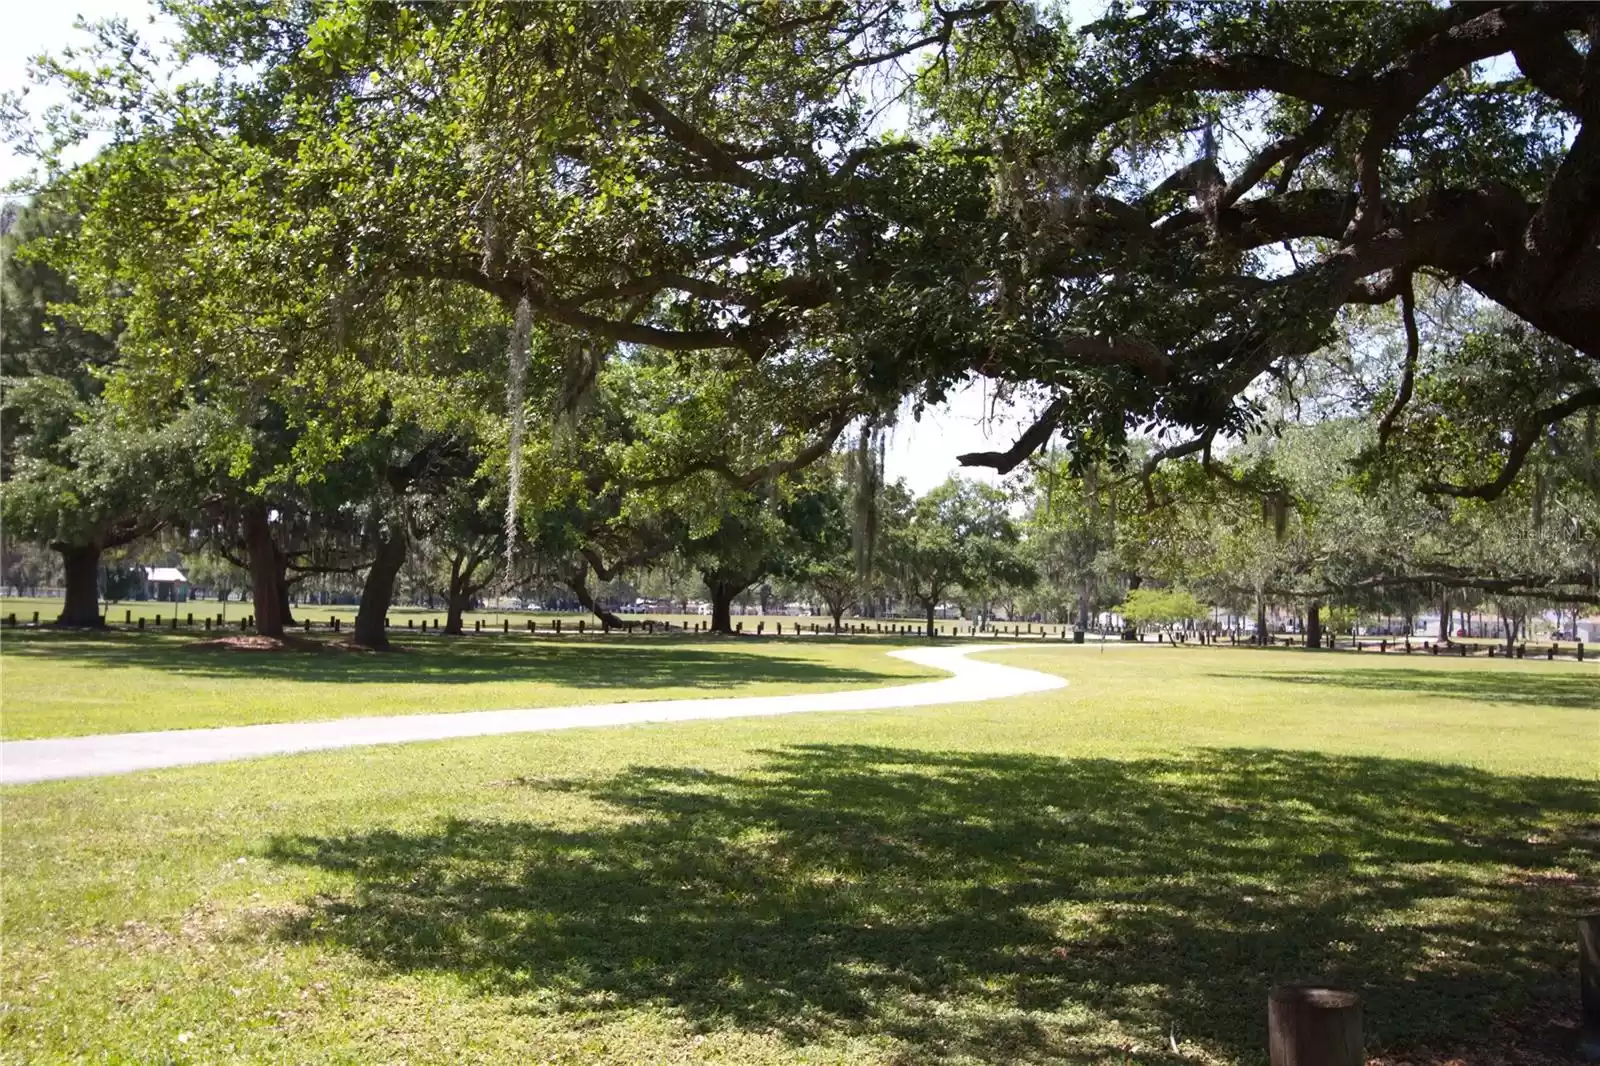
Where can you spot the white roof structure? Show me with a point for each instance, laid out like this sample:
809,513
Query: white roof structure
165,573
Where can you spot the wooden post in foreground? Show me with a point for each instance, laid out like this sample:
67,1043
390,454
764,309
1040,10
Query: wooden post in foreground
1589,988
1309,1025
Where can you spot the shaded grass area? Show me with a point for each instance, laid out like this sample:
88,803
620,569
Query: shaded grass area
1080,876
991,908
68,684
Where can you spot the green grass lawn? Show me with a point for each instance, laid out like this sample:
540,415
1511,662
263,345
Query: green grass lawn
1084,876
70,684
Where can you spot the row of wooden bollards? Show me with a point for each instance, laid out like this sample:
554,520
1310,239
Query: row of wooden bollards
1315,1025
1463,650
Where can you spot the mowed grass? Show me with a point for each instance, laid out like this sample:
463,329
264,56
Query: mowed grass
1096,874
71,684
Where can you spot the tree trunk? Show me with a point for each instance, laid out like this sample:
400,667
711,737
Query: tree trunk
81,606
455,598
1444,615
930,620
1509,626
1261,620
266,590
722,596
590,604
377,593
283,591
1083,605
1314,624
838,616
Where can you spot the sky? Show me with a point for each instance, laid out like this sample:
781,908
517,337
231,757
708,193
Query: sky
922,452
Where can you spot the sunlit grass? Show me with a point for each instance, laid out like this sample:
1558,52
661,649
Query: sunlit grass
69,684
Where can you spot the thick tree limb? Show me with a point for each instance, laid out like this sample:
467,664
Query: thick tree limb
1555,68
1293,148
1032,439
716,155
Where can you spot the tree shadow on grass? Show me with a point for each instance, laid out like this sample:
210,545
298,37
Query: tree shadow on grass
1565,689
611,663
996,908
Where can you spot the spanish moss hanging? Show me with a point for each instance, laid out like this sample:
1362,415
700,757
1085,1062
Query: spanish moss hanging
516,375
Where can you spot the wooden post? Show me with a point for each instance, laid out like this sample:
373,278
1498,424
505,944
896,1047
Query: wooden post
127,617
188,620
505,625
208,623
35,617
411,623
1551,654
477,625
1589,987
1309,1025
558,627
141,620
1580,651
580,627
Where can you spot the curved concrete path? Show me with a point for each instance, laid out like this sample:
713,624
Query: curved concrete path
22,761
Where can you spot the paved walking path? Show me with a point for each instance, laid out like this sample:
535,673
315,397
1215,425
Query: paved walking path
23,761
